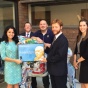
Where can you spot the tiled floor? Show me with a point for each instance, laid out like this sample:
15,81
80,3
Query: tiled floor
39,82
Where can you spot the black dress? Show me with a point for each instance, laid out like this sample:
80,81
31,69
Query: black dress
83,76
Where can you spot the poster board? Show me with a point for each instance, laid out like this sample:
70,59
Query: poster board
28,52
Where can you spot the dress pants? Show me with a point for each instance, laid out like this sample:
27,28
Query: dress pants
34,83
58,81
44,79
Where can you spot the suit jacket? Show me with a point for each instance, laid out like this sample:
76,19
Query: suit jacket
57,57
83,50
31,34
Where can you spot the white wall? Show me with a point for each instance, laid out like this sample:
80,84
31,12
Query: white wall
68,13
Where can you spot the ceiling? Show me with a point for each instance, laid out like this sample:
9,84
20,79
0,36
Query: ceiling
52,2
49,2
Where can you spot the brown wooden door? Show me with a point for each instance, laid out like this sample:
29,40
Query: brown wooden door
84,13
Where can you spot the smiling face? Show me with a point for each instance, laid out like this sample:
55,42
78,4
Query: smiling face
10,34
27,27
43,25
56,28
83,27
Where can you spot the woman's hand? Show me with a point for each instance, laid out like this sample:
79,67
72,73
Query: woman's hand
18,61
19,43
75,64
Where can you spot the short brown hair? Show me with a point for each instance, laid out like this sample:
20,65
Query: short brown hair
27,23
57,21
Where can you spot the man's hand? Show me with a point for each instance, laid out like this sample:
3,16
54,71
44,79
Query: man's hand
43,60
47,45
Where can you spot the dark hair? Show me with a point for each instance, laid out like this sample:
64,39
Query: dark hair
5,38
80,33
57,21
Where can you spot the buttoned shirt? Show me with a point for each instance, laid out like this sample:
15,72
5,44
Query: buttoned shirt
47,38
56,36
28,34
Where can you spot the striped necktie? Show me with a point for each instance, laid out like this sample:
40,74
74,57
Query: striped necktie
54,40
27,35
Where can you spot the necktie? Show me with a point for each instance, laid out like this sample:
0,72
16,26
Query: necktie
54,40
27,35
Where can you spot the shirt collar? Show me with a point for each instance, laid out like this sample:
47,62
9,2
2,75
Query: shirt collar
28,33
46,32
58,35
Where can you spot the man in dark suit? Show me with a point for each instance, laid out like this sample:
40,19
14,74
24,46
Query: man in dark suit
28,33
57,57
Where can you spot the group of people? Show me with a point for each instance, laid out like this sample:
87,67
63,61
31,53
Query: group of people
56,48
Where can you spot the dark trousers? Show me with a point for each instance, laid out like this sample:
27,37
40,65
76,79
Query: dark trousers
44,79
34,82
58,81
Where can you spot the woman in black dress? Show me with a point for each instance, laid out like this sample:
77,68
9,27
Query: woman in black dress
82,49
